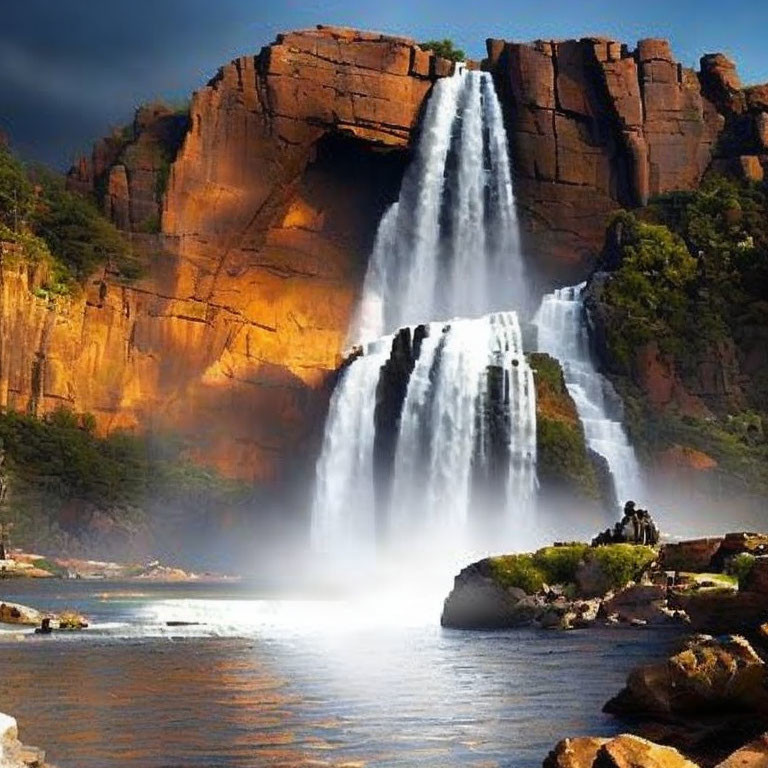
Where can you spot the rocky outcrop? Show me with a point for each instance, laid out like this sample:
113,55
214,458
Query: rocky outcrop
566,586
722,610
391,390
752,755
233,334
565,465
707,676
479,601
14,754
625,751
128,171
693,556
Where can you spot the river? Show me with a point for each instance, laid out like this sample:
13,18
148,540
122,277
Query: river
272,680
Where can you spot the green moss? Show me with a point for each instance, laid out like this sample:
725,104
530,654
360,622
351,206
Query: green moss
518,571
548,373
562,458
620,563
559,564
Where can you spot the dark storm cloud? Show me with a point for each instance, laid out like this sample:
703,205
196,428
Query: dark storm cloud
69,70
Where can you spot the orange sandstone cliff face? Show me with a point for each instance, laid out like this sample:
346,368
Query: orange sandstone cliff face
271,207
267,196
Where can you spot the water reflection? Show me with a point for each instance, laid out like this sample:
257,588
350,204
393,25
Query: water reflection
262,694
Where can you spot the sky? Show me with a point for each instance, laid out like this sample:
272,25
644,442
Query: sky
71,69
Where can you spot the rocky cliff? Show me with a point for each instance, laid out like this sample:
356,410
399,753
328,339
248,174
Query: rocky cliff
267,198
595,126
255,213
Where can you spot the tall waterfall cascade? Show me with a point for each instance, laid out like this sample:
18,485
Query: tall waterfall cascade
449,247
562,333
431,432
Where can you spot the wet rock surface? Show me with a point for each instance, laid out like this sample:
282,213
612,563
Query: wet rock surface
14,754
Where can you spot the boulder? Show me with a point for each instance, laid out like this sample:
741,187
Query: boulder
13,613
574,753
641,602
752,755
692,556
721,610
738,543
708,676
14,754
625,751
757,580
478,601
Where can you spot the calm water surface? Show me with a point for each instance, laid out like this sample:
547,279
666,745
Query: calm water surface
288,682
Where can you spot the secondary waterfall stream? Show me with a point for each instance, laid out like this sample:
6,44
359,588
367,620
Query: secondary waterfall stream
562,333
431,434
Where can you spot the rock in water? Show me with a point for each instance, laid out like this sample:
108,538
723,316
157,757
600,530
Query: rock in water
624,751
13,613
478,601
574,753
753,755
14,754
708,676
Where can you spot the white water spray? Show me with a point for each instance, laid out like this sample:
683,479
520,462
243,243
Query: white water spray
449,247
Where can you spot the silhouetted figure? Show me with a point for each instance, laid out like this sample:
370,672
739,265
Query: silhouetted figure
636,527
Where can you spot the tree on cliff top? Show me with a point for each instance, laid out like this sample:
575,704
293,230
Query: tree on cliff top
444,48
50,223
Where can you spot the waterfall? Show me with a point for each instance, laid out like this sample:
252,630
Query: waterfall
449,246
456,446
562,333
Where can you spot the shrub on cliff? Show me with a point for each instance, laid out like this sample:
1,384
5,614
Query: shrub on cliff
78,236
649,291
17,195
690,273
444,48
62,473
687,270
54,225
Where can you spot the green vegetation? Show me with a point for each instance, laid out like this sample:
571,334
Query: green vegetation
621,563
58,227
649,290
692,269
46,565
741,567
690,273
562,459
62,474
444,48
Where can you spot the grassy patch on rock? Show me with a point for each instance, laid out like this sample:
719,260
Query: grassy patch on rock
617,565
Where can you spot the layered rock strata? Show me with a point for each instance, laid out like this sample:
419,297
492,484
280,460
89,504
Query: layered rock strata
272,201
595,126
